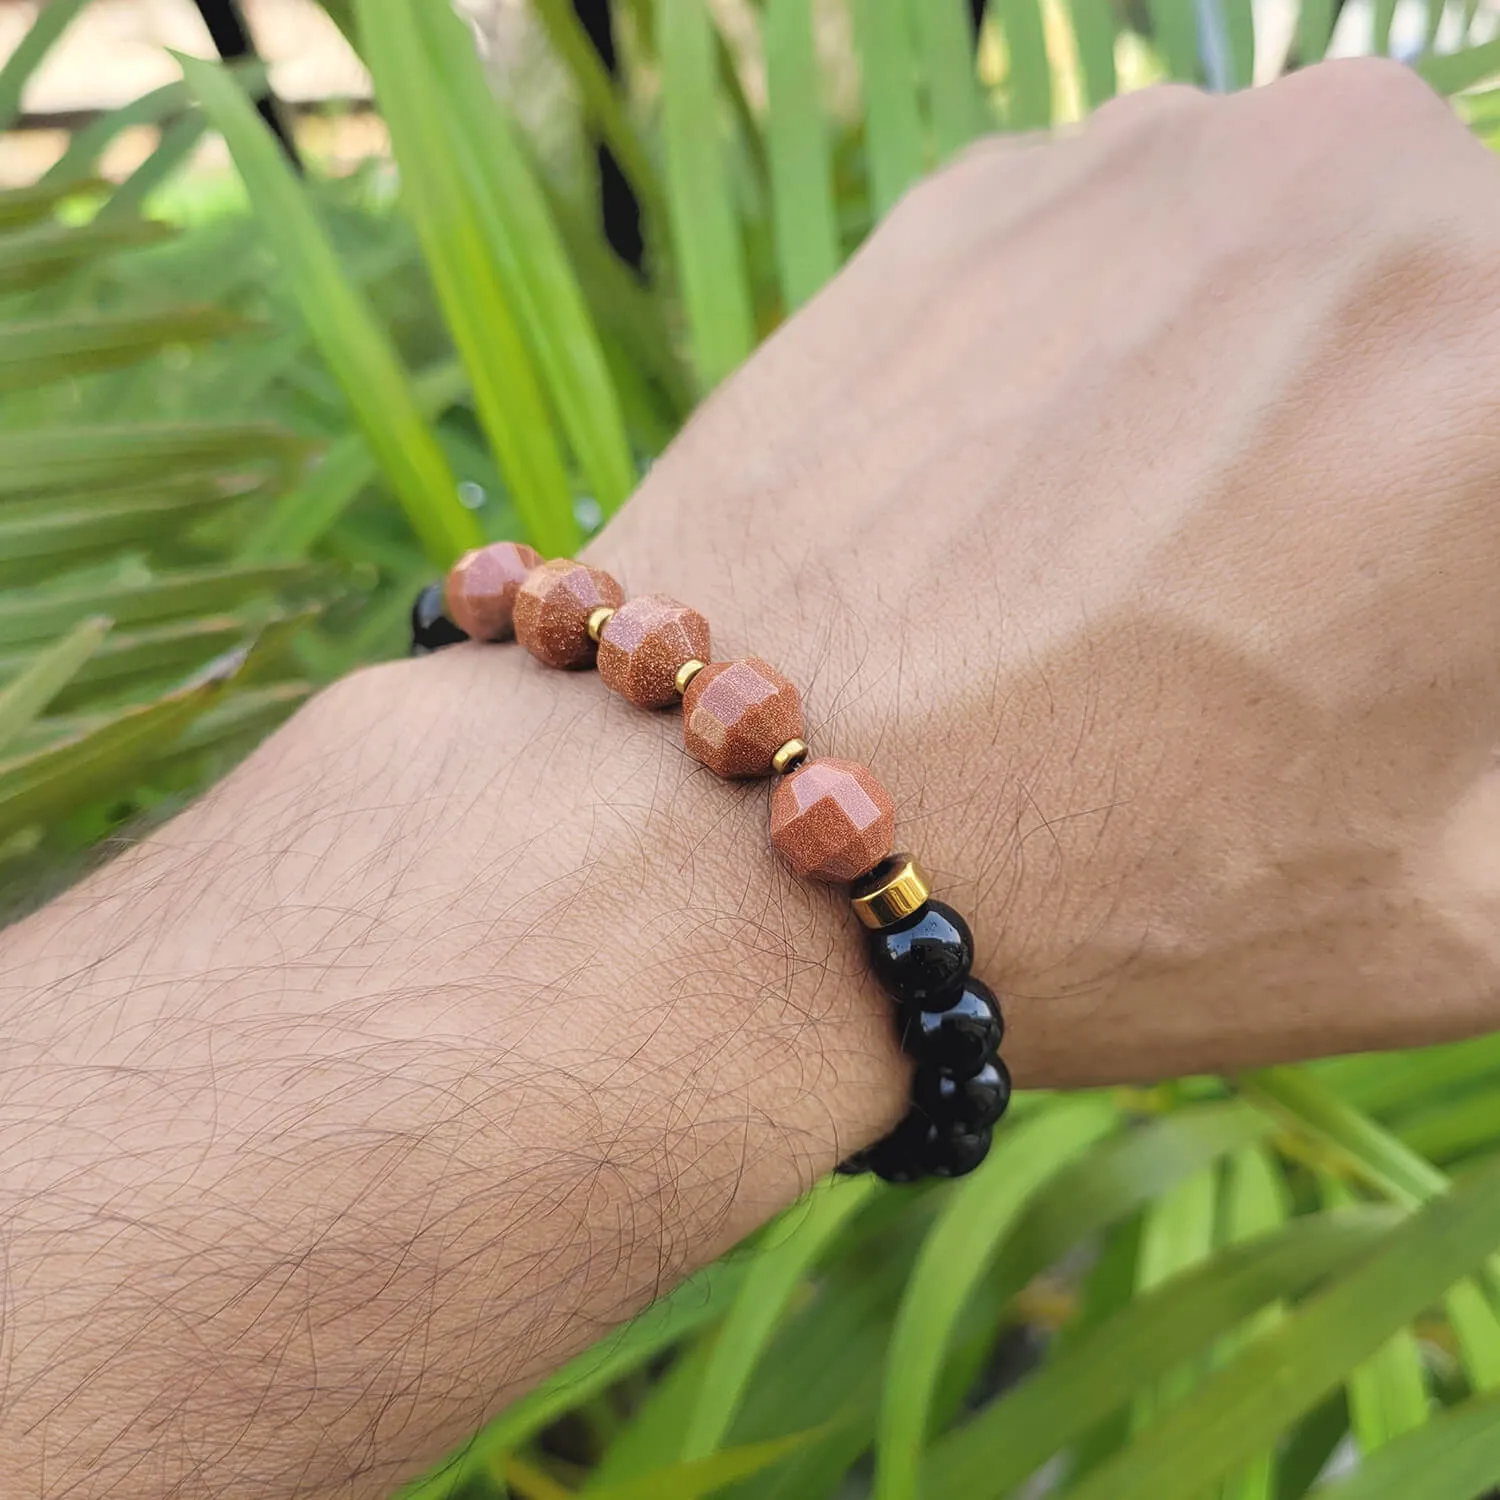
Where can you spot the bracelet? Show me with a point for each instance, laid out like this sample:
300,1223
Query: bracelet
830,819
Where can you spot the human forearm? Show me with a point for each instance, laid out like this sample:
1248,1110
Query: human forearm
365,1091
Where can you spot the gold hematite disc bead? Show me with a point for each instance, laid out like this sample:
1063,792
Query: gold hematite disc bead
893,890
598,619
791,754
686,672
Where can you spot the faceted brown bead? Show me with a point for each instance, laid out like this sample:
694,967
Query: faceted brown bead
737,714
832,819
553,606
481,588
645,643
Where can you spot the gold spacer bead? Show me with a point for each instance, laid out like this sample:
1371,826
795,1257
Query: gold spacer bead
598,620
789,757
894,889
686,672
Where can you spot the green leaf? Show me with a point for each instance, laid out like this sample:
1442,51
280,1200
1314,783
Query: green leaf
1239,33
131,656
1174,30
178,142
52,19
55,459
801,166
944,32
529,255
41,537
301,517
1104,1368
1314,30
602,103
441,193
893,119
775,1274
706,243
696,1477
963,1243
33,354
32,257
354,346
1177,1234
25,697
1455,1456
1094,34
36,787
690,1307
1254,1203
1029,86
1240,1409
1387,1393
1118,1177
1463,69
1392,1168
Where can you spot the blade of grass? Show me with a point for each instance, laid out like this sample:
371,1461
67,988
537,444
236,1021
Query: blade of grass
53,18
602,103
1393,1169
1242,1408
1453,71
1387,1393
705,231
528,252
1454,1457
34,354
945,42
775,1275
962,1244
1119,1177
35,256
343,327
1094,33
893,118
807,245
1029,84
439,187
692,1306
178,142
1177,1234
1314,30
32,615
26,696
709,1474
302,517
1101,1371
1254,1203
1174,31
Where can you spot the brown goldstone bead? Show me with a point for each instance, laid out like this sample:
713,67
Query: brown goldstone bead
832,819
644,644
553,606
482,585
737,714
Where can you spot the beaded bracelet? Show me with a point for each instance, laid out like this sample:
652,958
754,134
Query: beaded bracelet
830,819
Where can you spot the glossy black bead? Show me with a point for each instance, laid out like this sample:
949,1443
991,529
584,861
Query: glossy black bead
961,1039
904,1155
956,1152
918,1148
431,629
923,961
973,1103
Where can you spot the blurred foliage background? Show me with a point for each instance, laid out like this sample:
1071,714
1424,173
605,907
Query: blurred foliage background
242,419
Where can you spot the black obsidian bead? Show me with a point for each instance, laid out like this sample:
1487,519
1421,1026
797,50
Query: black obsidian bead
973,1103
918,1148
959,1040
923,961
431,629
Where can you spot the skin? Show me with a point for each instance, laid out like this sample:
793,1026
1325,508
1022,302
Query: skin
1129,505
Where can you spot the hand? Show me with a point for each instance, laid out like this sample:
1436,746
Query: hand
1128,505
1133,505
